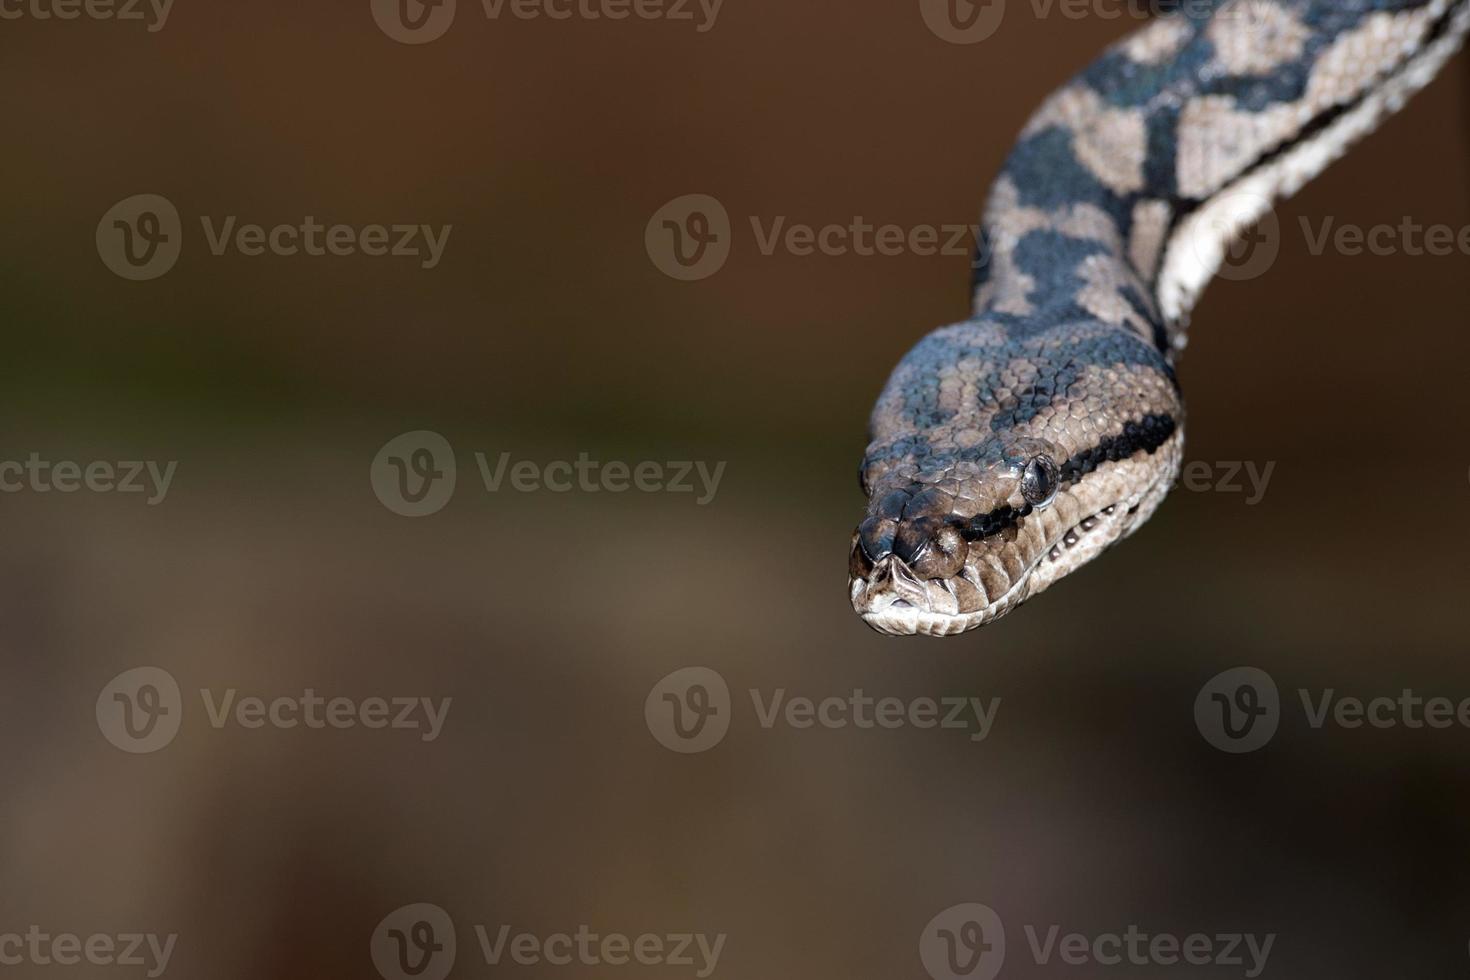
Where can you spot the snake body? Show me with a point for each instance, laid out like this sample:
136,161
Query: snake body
1009,450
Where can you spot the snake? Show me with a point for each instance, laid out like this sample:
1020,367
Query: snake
1009,450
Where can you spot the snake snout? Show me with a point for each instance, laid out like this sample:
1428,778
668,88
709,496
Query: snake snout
893,582
931,546
915,526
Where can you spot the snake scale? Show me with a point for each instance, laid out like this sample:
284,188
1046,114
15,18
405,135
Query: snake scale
1009,450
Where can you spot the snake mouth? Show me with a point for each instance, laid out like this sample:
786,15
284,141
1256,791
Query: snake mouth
893,600
1077,535
1001,571
899,615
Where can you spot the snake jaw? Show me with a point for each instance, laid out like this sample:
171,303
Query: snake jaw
931,609
1004,568
890,613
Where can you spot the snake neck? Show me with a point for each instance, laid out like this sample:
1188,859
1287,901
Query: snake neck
1127,190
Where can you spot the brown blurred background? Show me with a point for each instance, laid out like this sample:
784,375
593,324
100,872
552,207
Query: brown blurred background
547,331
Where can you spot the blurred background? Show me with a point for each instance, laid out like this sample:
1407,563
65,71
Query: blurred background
273,564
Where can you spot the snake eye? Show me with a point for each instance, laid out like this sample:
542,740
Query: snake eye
1039,481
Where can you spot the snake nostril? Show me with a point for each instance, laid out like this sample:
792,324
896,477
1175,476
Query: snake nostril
875,539
930,547
910,545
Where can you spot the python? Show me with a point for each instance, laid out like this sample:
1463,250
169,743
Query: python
1011,449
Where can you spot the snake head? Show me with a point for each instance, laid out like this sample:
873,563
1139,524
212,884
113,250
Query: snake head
996,469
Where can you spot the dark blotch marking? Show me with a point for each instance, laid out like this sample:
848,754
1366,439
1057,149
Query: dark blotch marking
983,526
1049,176
1148,434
